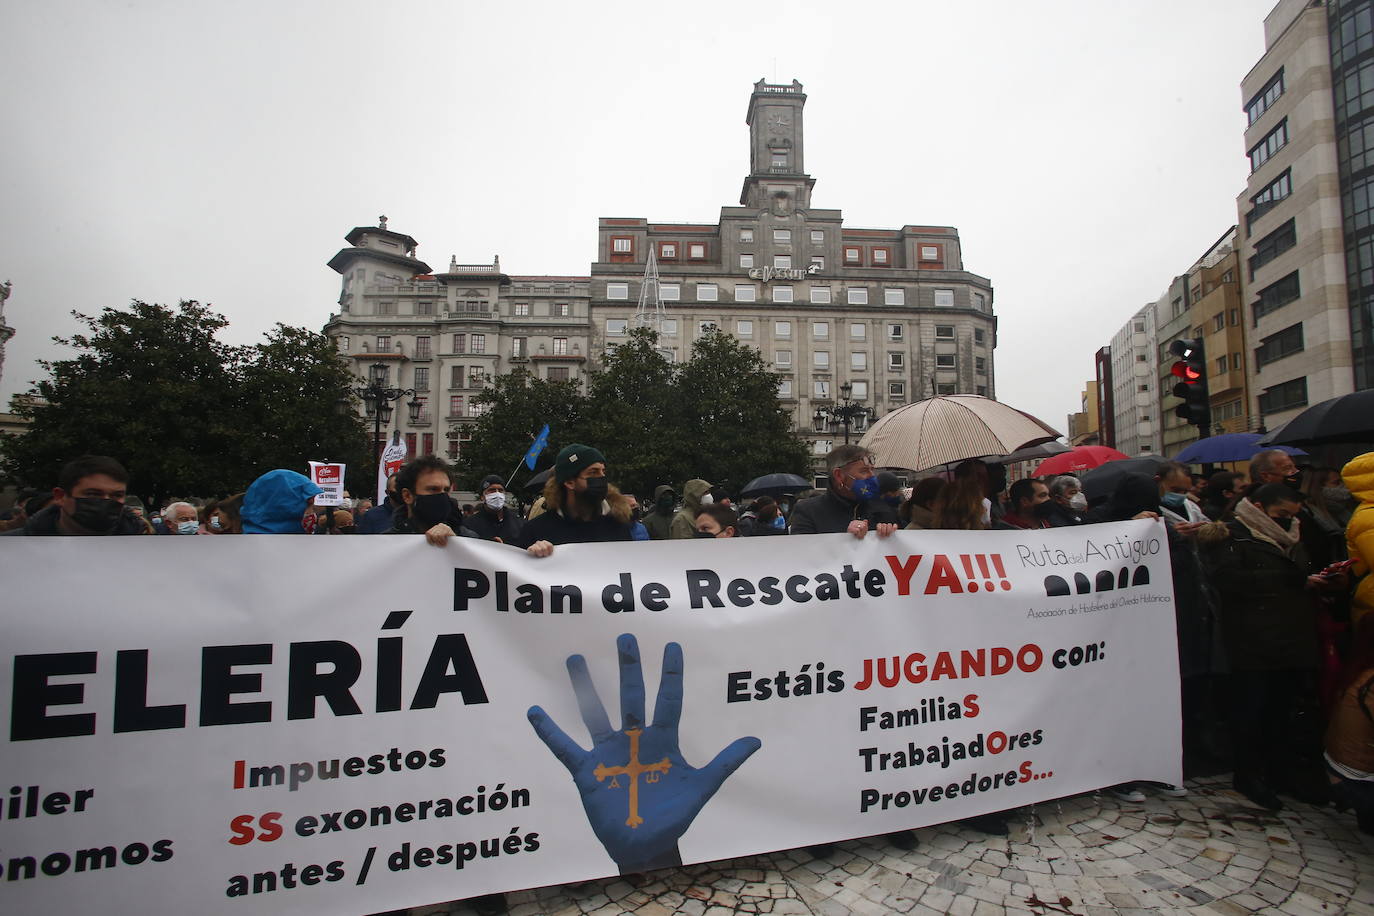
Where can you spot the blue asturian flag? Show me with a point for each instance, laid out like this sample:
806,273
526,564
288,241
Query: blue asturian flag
540,441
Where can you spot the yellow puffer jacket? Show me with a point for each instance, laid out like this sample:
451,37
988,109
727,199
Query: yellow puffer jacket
1358,475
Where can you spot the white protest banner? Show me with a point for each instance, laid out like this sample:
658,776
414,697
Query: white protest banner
442,723
330,479
393,457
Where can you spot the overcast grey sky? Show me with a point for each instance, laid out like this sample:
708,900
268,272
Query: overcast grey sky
1087,151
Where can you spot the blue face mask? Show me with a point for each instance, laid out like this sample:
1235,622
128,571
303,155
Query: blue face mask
779,522
188,527
1174,501
865,488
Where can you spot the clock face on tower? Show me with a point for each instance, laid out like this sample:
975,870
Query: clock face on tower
779,121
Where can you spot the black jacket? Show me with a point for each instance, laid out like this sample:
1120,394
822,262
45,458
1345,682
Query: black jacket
1268,622
555,528
44,524
488,526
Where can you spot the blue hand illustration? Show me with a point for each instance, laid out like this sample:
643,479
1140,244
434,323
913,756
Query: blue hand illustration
640,795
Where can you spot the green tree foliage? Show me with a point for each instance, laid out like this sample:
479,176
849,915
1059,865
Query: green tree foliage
152,386
518,404
742,430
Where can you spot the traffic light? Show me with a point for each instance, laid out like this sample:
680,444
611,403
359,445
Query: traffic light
1191,370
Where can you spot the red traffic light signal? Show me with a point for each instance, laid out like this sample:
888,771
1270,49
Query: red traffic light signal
1191,369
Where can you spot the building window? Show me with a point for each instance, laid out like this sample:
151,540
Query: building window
980,365
696,251
981,391
421,378
895,332
818,236
820,330
820,295
560,346
559,374
853,255
858,390
1265,98
519,347
782,236
521,309
821,389
896,362
746,235
622,244
980,302
858,361
945,388
930,252
744,293
424,409
944,297
896,391
1284,396
478,343
386,308
746,260
670,292
424,307
615,327
383,343
1221,364
1233,317
977,335
667,251
1277,190
784,388
1275,296
477,376
881,257
744,328
1237,363
945,361
422,348
858,331
460,343
342,343
782,294
1218,322
894,297
1273,245
411,443
617,290
455,376
782,330
562,309
821,359
705,327
1276,346
455,405
856,296
707,292
778,159
944,332
782,262
782,359
817,262
1273,141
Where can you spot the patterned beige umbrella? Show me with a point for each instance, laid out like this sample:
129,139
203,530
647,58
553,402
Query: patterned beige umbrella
946,429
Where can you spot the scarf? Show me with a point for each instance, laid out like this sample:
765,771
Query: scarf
1265,528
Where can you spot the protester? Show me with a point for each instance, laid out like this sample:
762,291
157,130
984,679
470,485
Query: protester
181,518
637,530
695,494
424,505
378,520
1025,495
581,505
917,510
277,503
222,516
718,496
1219,495
842,507
494,520
1066,504
88,500
659,519
1270,631
340,521
717,521
763,519
1175,495
885,507
963,503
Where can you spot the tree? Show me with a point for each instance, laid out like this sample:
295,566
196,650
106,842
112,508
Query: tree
187,415
729,394
294,397
517,405
632,418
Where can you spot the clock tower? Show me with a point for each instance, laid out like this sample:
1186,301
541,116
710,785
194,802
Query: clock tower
777,174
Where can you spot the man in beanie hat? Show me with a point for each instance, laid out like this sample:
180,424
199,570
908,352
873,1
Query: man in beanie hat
581,505
493,521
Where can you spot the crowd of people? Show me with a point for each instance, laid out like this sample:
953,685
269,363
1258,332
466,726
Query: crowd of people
1270,570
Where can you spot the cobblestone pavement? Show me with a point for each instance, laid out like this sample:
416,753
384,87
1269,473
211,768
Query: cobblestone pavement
1211,852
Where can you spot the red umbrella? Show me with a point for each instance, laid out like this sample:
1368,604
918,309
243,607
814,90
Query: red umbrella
1078,459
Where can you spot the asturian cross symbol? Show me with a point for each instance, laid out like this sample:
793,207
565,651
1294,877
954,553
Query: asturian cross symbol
632,768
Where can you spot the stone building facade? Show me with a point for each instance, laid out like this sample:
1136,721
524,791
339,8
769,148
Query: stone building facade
890,312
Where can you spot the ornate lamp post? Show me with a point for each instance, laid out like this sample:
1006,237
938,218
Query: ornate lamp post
843,415
377,398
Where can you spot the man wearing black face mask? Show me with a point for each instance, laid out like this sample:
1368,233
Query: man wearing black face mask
1276,466
423,486
581,505
88,500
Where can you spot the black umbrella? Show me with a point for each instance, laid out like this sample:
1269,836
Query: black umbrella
538,480
1348,418
1102,480
774,484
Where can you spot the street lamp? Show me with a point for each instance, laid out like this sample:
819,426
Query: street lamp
844,415
377,397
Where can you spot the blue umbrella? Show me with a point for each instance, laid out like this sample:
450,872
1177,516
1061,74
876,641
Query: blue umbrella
1227,447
